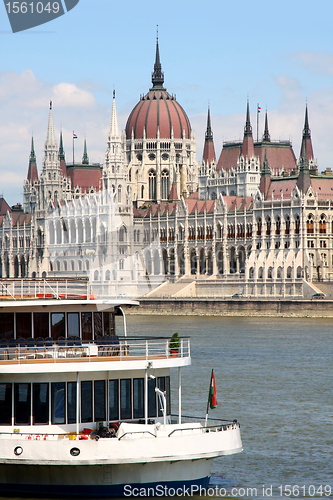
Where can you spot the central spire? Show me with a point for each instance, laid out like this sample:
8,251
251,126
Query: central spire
158,75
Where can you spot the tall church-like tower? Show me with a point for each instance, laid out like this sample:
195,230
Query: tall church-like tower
160,145
51,185
115,172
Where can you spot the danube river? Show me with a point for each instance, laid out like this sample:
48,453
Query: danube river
275,377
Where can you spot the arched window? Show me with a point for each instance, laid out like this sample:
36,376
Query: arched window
122,234
322,224
152,185
119,194
309,224
165,185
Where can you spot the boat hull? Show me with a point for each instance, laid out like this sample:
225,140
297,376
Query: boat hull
88,481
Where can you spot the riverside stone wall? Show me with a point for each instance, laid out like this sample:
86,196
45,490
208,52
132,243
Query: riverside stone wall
234,307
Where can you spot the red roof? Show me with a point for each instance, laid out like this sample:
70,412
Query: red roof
247,147
158,109
229,156
279,155
323,187
85,177
173,193
307,144
32,172
209,152
281,187
4,207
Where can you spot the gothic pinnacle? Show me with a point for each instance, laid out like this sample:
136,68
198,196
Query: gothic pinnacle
248,128
158,75
266,136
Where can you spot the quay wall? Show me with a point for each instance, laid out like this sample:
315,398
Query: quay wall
232,307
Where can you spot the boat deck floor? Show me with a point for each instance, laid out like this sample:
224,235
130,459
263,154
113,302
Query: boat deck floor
91,359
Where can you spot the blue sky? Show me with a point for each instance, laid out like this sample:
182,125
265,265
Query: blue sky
277,54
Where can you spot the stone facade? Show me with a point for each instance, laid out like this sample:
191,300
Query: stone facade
257,217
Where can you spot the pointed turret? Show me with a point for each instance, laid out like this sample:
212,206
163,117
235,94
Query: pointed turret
114,150
306,139
173,196
85,158
209,151
32,170
157,75
265,179
266,136
248,147
114,127
304,181
61,156
50,139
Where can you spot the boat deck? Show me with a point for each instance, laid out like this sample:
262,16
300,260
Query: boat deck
122,349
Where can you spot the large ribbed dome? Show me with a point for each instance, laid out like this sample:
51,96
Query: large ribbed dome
158,109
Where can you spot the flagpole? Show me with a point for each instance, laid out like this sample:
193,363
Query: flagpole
210,386
73,148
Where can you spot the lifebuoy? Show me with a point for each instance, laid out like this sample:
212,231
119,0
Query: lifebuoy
45,437
29,437
37,438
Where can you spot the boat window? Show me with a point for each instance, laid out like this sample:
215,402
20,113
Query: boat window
168,394
6,325
161,386
151,398
41,325
86,319
23,325
113,400
73,325
138,398
57,325
5,404
22,403
99,400
98,328
86,401
71,402
125,399
58,402
108,323
41,403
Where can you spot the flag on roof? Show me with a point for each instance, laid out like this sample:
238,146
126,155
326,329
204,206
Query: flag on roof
259,108
74,136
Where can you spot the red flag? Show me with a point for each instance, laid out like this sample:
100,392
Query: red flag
212,394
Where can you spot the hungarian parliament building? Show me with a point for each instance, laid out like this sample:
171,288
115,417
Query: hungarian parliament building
255,220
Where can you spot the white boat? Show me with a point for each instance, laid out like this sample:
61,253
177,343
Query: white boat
86,413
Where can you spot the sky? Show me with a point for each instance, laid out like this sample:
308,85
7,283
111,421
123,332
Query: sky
277,55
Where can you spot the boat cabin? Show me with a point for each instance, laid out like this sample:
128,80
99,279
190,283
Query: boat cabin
64,370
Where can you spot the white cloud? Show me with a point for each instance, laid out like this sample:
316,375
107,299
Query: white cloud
69,95
24,101
315,62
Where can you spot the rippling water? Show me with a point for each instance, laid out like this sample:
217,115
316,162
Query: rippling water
275,377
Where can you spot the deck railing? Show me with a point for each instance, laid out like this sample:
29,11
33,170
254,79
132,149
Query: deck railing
41,288
128,348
